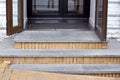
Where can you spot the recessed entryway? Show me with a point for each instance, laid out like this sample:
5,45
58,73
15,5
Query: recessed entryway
58,14
68,17
58,8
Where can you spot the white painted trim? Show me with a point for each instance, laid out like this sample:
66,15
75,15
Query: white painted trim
92,23
25,22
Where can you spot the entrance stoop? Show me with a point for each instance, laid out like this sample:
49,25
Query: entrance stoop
105,61
59,39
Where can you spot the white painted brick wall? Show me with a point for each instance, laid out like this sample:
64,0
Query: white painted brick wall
113,26
2,19
2,14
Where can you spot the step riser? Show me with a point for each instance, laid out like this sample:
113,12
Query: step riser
106,75
75,60
67,45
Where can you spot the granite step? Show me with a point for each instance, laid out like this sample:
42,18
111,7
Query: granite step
57,36
102,53
61,56
66,39
71,68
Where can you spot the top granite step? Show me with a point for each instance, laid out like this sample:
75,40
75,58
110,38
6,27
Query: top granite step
57,36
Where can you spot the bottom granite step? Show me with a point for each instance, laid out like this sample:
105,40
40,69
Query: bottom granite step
83,69
13,74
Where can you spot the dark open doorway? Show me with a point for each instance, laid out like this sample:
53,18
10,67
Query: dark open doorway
59,24
58,8
58,14
15,19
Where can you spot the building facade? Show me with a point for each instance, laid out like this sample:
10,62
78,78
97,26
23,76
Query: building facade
63,36
113,17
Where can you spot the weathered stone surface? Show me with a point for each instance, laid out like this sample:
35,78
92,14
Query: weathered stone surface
70,68
57,36
12,74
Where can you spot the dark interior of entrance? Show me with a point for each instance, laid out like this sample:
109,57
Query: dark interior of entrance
58,14
58,8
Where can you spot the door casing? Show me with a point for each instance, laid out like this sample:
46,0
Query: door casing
9,13
103,33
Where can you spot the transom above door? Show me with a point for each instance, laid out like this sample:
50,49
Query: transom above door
58,8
